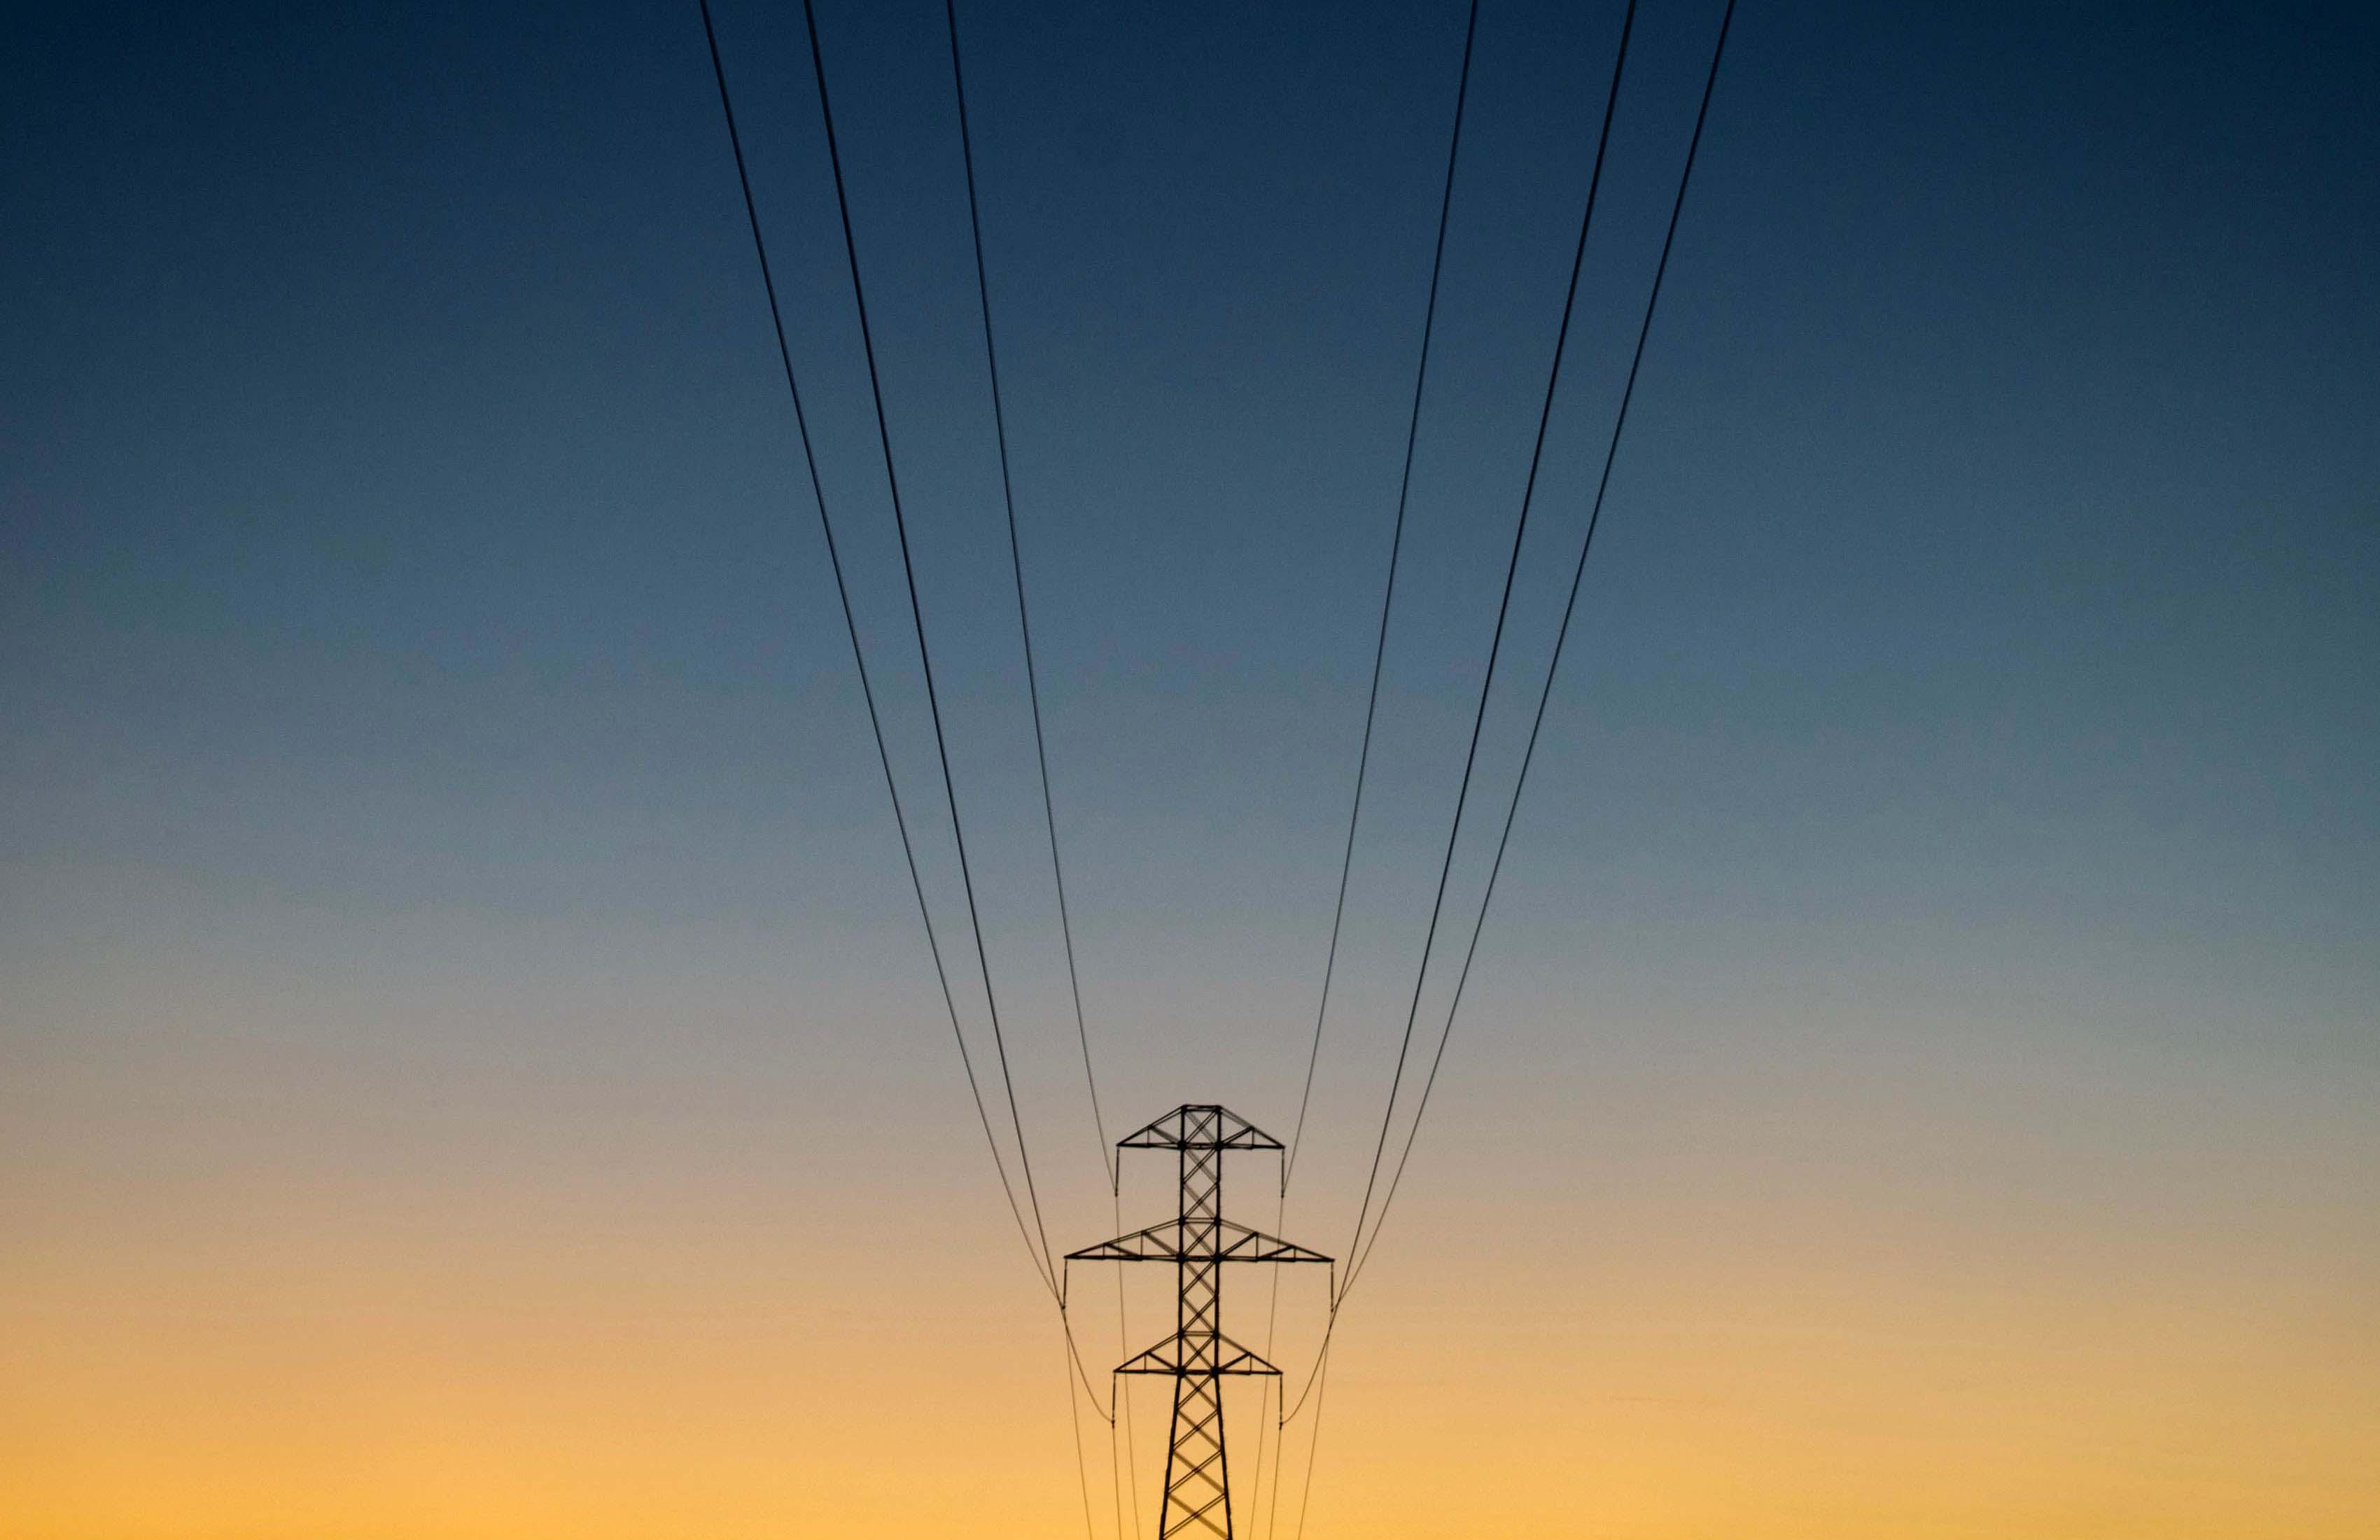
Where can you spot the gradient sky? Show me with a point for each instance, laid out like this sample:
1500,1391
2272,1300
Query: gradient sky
469,1061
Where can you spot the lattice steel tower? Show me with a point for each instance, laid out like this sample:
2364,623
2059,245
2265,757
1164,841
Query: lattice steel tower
1197,1476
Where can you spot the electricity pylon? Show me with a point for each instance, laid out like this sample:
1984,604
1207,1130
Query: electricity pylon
1197,1476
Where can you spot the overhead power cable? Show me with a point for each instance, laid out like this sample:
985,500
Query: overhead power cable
1372,699
858,655
1316,1378
933,700
1313,1451
918,620
1569,607
1109,1161
1074,1414
1503,610
1389,590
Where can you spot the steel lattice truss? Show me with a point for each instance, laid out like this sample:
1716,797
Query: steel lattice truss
1180,1241
1198,1475
1200,1128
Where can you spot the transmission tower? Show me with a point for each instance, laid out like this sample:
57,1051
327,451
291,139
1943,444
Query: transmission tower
1198,1356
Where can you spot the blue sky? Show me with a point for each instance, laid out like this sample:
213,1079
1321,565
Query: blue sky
417,638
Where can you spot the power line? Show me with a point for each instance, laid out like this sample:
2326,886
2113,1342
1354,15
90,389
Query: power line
1313,1449
1362,1248
1372,697
1314,1375
1317,1379
1107,1162
1124,1392
918,620
1074,1416
975,1090
1504,609
1115,1477
1544,692
1256,1486
1281,1463
858,656
1110,1165
1387,595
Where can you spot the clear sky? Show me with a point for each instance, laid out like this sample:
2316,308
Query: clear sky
469,1064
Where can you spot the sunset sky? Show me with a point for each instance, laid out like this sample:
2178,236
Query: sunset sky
470,1062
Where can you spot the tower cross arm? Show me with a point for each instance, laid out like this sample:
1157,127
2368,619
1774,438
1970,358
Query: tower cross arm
1196,1241
1212,1353
1200,1126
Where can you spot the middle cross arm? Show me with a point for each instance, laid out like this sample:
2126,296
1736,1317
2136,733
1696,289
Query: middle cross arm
1200,1240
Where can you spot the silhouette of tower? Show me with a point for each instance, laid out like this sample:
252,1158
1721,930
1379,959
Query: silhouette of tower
1198,1356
